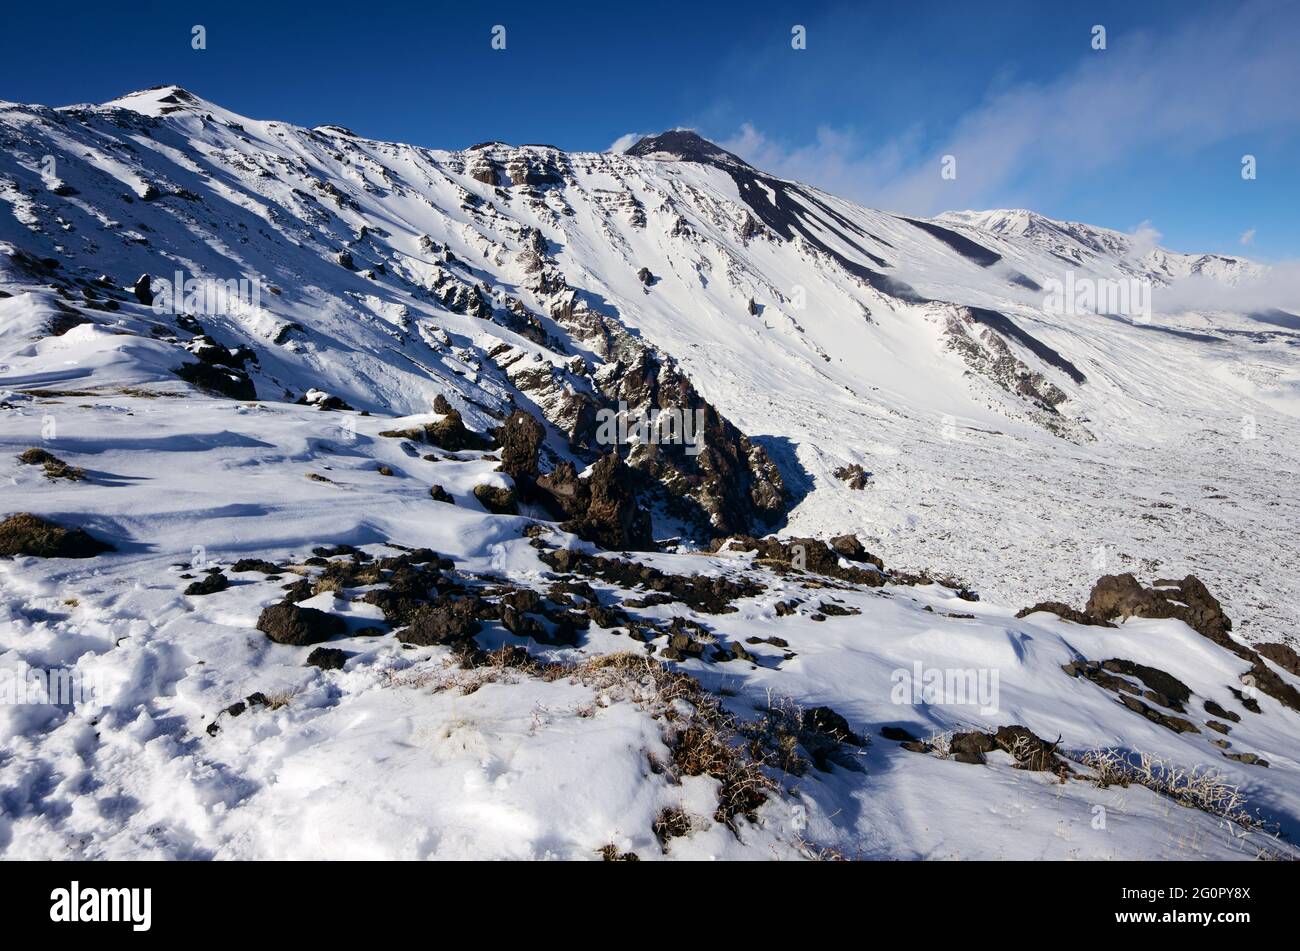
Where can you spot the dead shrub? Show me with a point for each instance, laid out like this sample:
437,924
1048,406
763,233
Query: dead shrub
671,824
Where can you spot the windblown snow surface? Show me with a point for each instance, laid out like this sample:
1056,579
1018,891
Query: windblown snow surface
1010,451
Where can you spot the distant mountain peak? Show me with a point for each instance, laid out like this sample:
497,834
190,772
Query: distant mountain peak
169,93
999,220
165,100
683,145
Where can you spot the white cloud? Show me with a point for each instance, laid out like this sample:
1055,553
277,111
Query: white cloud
1145,238
625,142
1247,236
1277,287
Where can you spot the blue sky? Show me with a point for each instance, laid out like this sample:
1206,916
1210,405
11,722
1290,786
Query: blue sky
1150,131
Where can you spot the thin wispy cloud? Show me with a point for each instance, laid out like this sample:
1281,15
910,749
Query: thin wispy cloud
1198,85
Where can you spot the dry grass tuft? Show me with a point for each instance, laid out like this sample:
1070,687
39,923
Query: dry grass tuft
274,701
610,853
55,468
1201,787
704,738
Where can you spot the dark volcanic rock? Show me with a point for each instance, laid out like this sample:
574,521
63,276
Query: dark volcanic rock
1162,689
210,584
733,482
808,554
27,534
454,620
1188,600
1093,671
1119,597
143,290
299,590
520,438
970,747
1063,611
287,623
1177,724
611,516
602,508
450,432
703,593
826,721
1174,691
854,475
256,564
682,145
1281,655
327,658
1250,759
498,500
326,402
831,609
897,734
1215,710
211,352
222,381
1031,752
848,546
700,467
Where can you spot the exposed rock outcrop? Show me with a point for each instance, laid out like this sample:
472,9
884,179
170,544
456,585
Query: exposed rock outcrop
602,508
1283,656
812,555
218,380
143,290
449,432
710,474
854,476
1119,597
520,438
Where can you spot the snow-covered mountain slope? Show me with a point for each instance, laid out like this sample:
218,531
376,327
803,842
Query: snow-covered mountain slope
831,334
403,311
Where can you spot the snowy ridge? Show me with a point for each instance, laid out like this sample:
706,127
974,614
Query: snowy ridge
408,304
1078,242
